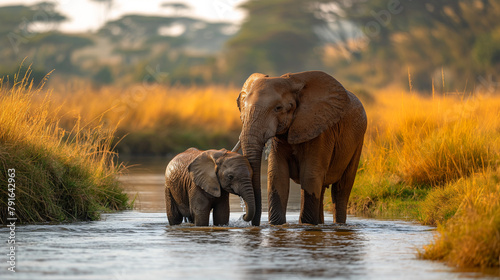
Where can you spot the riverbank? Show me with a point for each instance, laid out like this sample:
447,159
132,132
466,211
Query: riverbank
52,174
436,160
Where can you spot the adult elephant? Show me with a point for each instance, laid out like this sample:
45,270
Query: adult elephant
317,129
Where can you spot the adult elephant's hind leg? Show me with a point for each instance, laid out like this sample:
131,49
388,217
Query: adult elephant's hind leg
314,160
341,190
173,214
321,205
310,208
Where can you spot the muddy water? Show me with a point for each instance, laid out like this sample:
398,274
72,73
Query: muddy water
139,244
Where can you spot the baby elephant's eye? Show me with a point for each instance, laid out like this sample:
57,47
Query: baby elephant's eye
230,177
278,108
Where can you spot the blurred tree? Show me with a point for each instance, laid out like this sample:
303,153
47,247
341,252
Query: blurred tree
427,36
18,18
178,7
183,47
20,26
54,50
276,37
104,76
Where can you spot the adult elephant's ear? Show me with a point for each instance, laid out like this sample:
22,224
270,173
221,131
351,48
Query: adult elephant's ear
203,172
322,102
247,87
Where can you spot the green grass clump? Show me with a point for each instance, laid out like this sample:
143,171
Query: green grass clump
59,175
385,199
471,236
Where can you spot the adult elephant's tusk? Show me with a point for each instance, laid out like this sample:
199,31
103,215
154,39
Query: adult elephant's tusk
236,147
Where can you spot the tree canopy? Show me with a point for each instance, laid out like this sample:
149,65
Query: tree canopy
375,42
444,44
276,37
459,39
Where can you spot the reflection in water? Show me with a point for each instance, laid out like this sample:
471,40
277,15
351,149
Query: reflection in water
137,245
284,251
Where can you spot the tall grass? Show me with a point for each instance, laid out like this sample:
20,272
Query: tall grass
156,119
416,143
59,175
471,238
436,160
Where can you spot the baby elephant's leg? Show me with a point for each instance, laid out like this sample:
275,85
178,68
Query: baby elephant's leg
221,213
173,214
201,218
200,208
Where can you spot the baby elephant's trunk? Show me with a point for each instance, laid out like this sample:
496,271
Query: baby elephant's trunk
246,192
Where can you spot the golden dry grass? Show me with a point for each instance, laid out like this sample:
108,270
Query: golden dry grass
471,238
60,175
157,120
429,141
436,159
151,106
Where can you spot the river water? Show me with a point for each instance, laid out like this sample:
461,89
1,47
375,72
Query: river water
139,244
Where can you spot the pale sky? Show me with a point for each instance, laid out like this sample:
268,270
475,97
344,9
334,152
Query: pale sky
85,15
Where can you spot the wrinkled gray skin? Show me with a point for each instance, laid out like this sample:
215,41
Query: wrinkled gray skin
198,181
317,129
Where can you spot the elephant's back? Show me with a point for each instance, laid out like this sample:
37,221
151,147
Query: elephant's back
357,115
177,174
180,162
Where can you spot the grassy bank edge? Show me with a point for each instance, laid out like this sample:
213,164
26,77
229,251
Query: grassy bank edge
465,211
54,175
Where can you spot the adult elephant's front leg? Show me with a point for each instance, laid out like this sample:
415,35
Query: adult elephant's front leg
278,177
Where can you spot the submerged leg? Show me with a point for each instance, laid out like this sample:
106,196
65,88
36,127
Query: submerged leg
173,214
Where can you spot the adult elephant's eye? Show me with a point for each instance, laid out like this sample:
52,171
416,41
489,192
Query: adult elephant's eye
230,177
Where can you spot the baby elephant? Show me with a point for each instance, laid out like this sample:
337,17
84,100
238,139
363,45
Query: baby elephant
199,181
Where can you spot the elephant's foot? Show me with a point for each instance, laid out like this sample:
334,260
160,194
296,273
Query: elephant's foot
276,218
309,212
340,213
277,211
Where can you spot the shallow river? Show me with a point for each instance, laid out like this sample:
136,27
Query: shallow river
139,244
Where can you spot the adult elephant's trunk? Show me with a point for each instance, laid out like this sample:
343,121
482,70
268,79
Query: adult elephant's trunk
252,150
246,192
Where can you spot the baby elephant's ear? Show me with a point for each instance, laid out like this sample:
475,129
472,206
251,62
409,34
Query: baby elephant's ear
203,173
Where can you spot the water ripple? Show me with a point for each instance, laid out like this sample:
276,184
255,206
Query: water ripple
135,245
